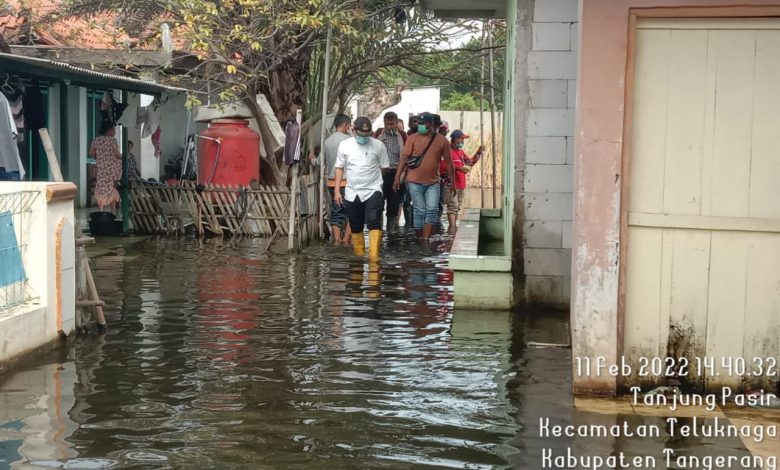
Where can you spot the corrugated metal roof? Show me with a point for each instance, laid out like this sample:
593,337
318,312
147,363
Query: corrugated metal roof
60,71
466,8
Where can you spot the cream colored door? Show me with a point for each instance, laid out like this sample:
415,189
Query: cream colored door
703,268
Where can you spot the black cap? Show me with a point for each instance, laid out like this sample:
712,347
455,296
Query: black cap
362,124
426,117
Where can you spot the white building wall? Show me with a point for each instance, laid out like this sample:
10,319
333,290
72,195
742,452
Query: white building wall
413,101
549,181
48,255
175,120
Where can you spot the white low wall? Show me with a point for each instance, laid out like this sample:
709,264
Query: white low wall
48,255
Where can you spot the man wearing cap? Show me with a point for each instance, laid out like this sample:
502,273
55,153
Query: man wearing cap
340,230
455,188
423,181
394,141
361,160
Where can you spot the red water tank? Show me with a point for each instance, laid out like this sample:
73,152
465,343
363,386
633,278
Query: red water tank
229,153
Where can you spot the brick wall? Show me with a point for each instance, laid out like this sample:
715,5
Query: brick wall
549,145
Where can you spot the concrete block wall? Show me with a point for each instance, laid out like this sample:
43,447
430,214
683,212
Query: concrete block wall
549,151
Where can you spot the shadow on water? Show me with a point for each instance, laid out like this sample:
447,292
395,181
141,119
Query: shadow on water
220,357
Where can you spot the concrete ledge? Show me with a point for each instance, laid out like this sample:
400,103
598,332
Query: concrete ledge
61,192
481,290
23,330
502,264
480,282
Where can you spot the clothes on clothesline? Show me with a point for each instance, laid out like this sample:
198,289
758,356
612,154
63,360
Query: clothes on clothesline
156,142
10,162
292,143
34,116
151,118
110,108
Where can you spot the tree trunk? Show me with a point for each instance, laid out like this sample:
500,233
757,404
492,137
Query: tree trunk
287,88
270,167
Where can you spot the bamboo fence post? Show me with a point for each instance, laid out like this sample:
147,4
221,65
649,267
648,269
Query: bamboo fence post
54,168
492,109
293,195
482,121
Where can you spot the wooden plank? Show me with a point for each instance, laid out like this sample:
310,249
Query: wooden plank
699,222
765,164
685,125
282,204
643,295
207,211
140,200
667,269
735,58
726,303
690,285
158,203
762,322
709,23
274,209
136,210
224,210
51,156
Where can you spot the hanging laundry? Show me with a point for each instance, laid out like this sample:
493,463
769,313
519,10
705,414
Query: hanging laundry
129,118
152,118
34,117
10,163
110,108
292,143
156,142
15,98
141,117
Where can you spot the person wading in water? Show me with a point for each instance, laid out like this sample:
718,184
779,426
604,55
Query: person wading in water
420,159
361,160
394,141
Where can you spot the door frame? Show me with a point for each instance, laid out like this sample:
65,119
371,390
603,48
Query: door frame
635,14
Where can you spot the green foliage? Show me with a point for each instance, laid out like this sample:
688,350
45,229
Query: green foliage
457,101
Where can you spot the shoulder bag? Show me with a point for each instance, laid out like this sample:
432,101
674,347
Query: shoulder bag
415,161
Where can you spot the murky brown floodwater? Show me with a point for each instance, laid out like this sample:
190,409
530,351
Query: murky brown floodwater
219,357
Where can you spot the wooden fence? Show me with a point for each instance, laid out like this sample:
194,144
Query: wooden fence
262,211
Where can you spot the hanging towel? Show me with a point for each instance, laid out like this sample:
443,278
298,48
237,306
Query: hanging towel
152,118
156,142
34,117
292,143
9,149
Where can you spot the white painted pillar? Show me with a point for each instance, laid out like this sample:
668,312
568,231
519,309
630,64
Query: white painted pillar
55,122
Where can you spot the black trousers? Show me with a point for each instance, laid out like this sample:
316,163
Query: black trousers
362,213
394,198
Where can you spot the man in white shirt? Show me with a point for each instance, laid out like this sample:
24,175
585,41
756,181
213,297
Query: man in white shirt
361,160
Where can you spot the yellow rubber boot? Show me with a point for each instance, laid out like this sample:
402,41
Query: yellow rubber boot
359,244
374,240
374,290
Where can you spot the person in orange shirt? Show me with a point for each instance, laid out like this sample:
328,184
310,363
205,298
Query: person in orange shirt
424,150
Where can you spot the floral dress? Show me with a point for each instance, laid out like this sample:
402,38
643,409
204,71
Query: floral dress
109,170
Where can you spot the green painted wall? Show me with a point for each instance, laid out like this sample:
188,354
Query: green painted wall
509,126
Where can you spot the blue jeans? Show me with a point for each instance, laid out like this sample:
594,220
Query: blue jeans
338,215
425,200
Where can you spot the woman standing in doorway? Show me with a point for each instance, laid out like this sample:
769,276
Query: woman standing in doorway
105,151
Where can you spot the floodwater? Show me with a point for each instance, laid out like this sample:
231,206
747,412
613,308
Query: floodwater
218,356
